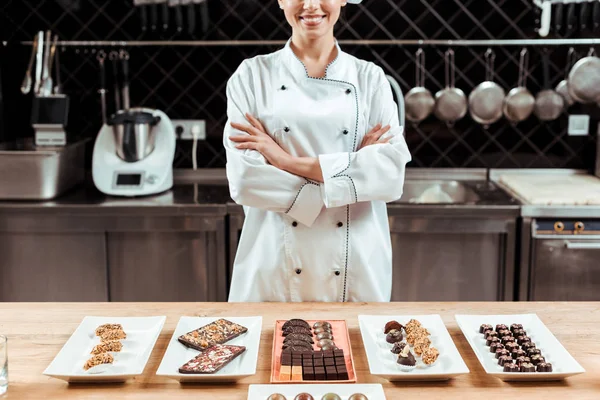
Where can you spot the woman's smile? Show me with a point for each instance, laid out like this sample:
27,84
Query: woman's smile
312,20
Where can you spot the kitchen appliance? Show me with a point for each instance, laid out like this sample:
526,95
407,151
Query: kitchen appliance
133,154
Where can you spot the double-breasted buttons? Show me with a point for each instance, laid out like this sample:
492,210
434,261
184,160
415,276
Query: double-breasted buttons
340,224
345,131
348,91
337,273
287,129
298,271
283,87
294,224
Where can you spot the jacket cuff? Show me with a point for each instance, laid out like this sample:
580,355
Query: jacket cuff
338,187
307,204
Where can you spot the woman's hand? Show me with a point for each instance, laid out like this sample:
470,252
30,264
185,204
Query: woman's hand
258,139
374,136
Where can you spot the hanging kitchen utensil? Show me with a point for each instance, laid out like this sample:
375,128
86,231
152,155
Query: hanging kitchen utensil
165,15
519,102
584,17
39,63
559,17
45,65
548,103
419,101
596,18
571,19
58,87
114,59
47,84
190,13
450,102
124,56
142,6
204,15
101,57
176,6
486,100
28,80
563,87
153,15
584,79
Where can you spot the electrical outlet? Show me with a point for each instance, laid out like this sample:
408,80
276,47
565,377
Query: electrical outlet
579,125
184,128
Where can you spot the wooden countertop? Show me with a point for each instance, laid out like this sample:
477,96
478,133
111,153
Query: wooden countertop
37,332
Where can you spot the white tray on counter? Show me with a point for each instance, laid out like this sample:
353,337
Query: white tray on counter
142,333
563,364
382,362
344,390
242,366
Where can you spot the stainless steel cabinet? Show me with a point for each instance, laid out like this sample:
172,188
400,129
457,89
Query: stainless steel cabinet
168,259
39,266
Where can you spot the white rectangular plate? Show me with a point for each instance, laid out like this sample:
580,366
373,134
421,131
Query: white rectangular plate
242,366
382,362
142,333
563,364
344,390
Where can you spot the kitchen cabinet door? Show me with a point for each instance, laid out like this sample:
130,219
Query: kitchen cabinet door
446,266
167,266
52,267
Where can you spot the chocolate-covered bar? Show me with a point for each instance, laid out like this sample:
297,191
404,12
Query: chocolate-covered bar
212,359
297,344
217,332
314,365
299,336
295,322
296,329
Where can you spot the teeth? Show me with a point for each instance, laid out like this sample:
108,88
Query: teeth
317,19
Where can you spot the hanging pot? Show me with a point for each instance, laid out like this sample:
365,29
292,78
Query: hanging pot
419,101
486,100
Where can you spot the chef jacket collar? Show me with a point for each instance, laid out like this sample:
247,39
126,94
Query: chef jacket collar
296,66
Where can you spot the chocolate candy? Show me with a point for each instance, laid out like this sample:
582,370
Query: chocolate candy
504,359
322,329
544,367
491,340
507,339
392,325
406,358
510,368
522,360
485,327
537,359
533,352
504,332
358,396
516,353
398,347
394,336
295,322
499,327
296,329
331,396
212,359
514,327
502,352
523,339
519,332
324,335
511,346
528,345
489,334
325,342
276,396
496,346
304,396
527,367
298,336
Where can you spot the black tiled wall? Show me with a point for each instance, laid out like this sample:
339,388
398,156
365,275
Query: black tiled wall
189,82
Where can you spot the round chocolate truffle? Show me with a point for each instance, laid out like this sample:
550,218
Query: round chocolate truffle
491,340
321,324
544,367
276,396
331,396
398,347
537,359
394,336
392,325
484,327
533,352
504,359
304,396
325,342
496,346
406,358
358,396
510,368
502,352
499,327
527,367
329,347
322,329
324,335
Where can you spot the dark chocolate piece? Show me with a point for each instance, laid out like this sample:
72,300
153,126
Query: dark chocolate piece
295,322
510,368
511,346
406,358
528,345
319,362
212,359
519,332
392,325
504,332
320,374
299,336
527,367
518,353
533,352
329,361
537,359
522,360
496,346
296,344
491,340
502,352
308,373
499,327
342,375
544,367
523,339
483,327
394,336
490,334
514,327
298,349
321,324
397,348
340,360
296,329
296,362
504,359
331,372
507,339
328,353
338,352
217,332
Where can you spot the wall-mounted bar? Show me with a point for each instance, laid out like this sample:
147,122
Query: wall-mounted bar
387,42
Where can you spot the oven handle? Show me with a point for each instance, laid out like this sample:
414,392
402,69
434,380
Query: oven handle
582,245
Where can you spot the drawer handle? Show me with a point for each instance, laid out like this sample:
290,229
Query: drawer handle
582,245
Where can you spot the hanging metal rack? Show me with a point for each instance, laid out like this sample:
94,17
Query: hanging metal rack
386,42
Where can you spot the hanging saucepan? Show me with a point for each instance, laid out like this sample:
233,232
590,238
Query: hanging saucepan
548,103
563,86
519,102
486,100
450,102
419,101
584,79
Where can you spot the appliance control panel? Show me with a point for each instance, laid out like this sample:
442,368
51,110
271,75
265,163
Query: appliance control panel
567,227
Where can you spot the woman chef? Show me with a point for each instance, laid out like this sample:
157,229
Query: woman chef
314,152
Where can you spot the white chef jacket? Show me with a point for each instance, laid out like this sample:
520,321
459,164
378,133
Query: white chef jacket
302,240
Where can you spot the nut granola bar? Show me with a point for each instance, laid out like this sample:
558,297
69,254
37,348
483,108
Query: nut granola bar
98,359
109,335
108,327
105,347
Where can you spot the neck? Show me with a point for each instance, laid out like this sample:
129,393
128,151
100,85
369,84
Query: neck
322,49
